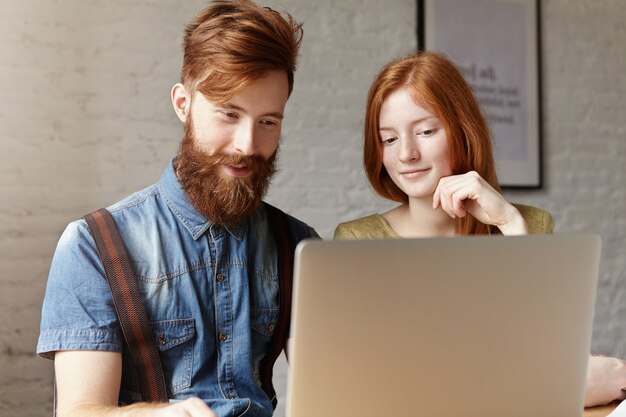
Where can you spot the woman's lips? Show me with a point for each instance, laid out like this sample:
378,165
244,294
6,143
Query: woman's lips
413,173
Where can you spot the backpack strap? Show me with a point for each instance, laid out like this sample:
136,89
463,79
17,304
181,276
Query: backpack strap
285,247
130,310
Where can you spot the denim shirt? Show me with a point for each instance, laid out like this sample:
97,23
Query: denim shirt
210,293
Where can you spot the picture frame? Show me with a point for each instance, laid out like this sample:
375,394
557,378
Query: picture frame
496,44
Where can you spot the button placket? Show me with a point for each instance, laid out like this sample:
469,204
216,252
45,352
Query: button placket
223,314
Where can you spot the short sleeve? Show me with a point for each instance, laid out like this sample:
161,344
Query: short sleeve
548,223
343,232
539,221
78,311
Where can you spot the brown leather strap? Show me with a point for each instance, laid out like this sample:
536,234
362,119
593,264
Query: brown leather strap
285,246
130,310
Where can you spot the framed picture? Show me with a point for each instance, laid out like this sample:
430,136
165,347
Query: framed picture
495,43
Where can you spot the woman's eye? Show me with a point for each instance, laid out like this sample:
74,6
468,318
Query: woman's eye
389,141
427,132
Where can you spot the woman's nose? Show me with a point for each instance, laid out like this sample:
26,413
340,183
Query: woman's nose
408,150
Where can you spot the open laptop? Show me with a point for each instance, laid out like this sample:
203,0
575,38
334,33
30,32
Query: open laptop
469,326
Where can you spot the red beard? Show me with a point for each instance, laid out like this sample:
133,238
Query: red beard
223,199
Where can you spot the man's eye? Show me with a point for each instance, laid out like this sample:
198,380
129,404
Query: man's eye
230,114
268,122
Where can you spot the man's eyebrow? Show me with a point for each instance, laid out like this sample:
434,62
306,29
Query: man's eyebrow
231,106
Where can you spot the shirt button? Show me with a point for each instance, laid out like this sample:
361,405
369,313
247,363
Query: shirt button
223,336
220,277
162,340
270,328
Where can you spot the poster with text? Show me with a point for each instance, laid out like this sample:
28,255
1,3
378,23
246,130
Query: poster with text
495,45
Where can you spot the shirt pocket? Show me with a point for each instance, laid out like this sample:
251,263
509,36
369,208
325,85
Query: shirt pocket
263,323
174,341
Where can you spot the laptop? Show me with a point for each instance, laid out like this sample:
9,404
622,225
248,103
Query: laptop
487,326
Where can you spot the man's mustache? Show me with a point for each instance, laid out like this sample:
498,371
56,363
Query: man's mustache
253,162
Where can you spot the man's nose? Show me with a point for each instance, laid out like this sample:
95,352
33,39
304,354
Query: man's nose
244,139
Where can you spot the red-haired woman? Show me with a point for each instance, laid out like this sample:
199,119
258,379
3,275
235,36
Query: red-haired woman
428,147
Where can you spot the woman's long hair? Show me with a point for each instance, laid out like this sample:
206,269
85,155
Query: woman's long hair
436,84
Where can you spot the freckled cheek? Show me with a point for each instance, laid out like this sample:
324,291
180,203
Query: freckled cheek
388,161
443,158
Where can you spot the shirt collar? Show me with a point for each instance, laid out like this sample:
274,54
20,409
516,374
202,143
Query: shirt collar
176,199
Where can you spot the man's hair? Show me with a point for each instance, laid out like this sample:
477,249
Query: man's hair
436,84
234,42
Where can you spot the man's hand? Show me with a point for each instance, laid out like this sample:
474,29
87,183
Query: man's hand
606,378
470,193
191,407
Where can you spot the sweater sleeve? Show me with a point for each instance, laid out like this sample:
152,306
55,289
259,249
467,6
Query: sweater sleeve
343,231
539,221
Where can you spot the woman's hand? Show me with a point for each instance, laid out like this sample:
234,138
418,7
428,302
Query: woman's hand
606,378
469,193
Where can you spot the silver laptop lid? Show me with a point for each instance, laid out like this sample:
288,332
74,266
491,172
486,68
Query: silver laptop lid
468,326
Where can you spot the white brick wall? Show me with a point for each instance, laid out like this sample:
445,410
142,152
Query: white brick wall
85,119
584,99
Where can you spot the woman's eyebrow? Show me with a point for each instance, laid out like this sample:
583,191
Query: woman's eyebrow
423,119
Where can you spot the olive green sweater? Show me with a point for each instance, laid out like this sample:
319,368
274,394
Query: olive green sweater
376,227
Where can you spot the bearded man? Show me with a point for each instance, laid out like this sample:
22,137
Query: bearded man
199,242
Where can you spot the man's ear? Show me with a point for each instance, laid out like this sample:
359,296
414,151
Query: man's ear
181,100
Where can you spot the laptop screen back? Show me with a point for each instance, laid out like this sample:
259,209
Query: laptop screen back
469,326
